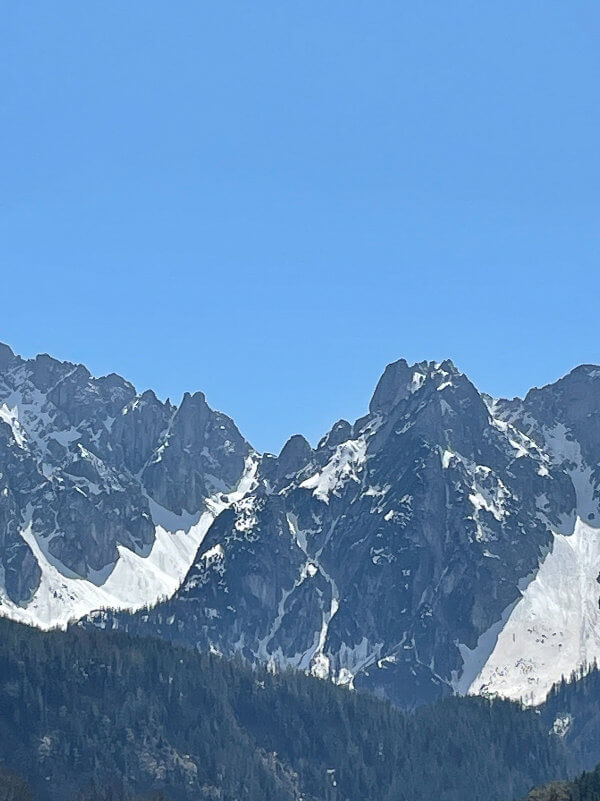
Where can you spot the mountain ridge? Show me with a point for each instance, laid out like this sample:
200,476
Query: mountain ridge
401,554
500,506
85,463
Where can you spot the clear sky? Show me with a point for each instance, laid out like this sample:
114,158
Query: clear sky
271,200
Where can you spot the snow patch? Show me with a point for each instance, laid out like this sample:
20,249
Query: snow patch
11,417
561,725
347,460
447,457
216,552
479,501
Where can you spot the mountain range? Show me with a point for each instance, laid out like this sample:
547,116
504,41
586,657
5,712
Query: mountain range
445,542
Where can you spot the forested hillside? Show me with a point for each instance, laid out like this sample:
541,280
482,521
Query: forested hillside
585,788
90,709
573,708
13,788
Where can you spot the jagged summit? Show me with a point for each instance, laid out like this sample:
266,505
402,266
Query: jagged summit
87,464
391,556
7,356
400,379
296,453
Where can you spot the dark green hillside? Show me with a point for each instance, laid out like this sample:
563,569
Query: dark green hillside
91,709
585,788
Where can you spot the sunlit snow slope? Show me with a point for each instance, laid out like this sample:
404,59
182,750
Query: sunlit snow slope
555,628
135,581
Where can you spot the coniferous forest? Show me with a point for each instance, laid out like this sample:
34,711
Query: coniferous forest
95,715
584,788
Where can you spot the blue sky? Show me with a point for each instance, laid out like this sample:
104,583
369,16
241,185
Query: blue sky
270,201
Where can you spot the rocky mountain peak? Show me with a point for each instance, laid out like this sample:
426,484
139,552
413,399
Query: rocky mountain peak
7,357
294,455
339,432
393,386
399,380
87,463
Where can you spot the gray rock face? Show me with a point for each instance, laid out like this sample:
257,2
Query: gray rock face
18,567
81,456
564,419
202,452
377,558
294,456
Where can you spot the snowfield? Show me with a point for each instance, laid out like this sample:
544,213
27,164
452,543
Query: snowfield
553,629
